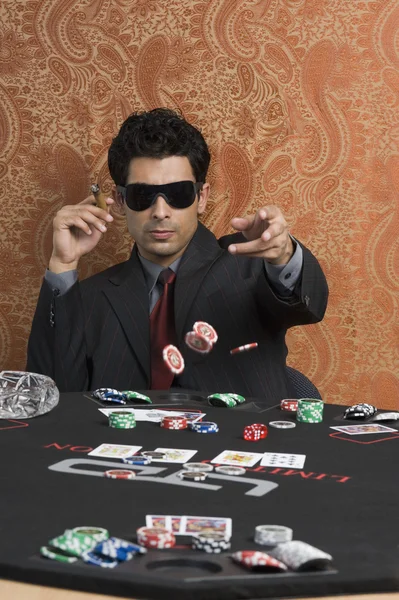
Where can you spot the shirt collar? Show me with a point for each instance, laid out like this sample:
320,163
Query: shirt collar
152,270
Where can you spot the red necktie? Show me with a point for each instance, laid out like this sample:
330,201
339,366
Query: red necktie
162,332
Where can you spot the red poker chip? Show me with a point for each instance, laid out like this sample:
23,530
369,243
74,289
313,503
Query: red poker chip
173,359
206,330
289,405
198,342
258,560
120,474
174,423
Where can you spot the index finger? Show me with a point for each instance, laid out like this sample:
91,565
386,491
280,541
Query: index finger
271,211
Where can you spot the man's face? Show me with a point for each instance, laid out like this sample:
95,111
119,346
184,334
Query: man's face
162,232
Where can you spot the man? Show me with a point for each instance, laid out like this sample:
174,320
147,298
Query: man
107,331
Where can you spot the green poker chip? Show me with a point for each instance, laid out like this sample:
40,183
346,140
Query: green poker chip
130,395
222,400
310,410
57,554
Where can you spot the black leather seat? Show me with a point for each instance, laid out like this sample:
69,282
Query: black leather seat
303,387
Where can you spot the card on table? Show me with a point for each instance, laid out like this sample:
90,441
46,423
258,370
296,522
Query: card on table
365,428
236,458
175,455
187,525
153,415
114,451
279,459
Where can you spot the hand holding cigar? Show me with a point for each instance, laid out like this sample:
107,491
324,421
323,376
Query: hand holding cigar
99,197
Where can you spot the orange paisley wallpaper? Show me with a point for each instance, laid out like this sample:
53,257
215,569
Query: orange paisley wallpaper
299,101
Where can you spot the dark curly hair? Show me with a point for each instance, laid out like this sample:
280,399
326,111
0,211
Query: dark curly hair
158,133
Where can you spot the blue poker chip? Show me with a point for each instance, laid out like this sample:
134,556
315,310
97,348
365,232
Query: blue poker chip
121,550
94,559
137,460
110,395
205,427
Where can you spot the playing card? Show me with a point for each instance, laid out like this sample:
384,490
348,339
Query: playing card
175,455
193,525
114,451
239,459
363,429
188,525
153,415
279,459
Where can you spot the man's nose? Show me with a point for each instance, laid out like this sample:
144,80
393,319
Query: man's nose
160,209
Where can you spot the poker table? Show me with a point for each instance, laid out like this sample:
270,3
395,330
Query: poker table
343,501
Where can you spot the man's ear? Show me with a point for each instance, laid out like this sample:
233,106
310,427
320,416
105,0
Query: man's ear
119,205
203,198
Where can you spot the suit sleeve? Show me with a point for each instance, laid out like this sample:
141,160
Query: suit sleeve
307,303
57,345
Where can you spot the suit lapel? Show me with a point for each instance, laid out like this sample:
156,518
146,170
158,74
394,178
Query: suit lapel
201,253
129,298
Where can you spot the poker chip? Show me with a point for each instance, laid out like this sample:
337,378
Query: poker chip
153,454
300,556
238,399
198,342
193,475
204,467
57,554
109,395
255,432
174,423
310,410
289,405
230,470
120,474
244,348
270,535
122,420
98,534
360,411
206,331
222,400
137,460
255,560
212,543
118,549
72,543
388,416
155,537
94,559
173,359
282,424
130,395
204,427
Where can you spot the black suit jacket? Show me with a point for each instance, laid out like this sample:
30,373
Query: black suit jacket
98,334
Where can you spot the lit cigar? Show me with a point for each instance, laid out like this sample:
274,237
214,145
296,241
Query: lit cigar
99,196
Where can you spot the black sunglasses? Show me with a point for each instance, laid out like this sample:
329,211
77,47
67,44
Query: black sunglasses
140,196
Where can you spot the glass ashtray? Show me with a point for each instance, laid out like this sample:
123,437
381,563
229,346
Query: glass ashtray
25,395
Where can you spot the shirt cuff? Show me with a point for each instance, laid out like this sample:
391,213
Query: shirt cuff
284,277
61,281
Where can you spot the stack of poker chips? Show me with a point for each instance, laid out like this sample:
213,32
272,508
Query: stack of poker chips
310,410
204,427
92,545
360,411
271,535
120,474
122,420
255,432
155,537
225,400
195,471
300,556
174,423
255,560
289,405
212,542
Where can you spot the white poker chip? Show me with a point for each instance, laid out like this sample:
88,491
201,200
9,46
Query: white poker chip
230,470
282,424
201,467
388,416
